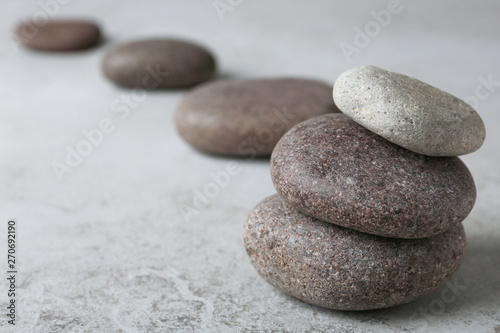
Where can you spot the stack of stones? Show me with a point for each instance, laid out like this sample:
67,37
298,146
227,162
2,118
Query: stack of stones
370,201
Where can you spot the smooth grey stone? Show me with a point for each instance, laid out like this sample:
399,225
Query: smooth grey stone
59,35
247,117
158,63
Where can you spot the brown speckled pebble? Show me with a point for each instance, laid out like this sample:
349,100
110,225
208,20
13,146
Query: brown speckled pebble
59,35
335,170
159,63
248,117
334,267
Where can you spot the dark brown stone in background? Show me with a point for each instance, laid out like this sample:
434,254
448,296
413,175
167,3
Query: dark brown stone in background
334,267
59,36
335,170
248,117
159,63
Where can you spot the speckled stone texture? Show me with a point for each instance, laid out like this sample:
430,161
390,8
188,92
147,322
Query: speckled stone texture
248,117
334,169
409,112
58,35
343,269
159,63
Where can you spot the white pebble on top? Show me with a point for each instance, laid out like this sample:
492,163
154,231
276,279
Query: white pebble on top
409,112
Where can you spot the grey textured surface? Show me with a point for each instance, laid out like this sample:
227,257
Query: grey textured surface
336,170
107,250
409,112
248,117
338,268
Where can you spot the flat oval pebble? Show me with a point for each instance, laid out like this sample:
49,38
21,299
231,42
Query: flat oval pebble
248,117
343,269
55,35
334,169
409,112
159,63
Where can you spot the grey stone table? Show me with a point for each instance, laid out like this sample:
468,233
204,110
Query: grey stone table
117,245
